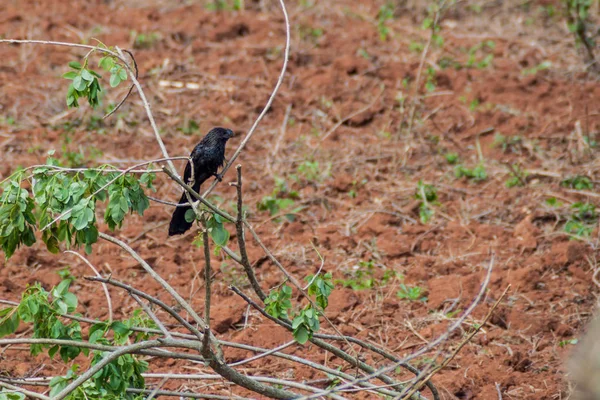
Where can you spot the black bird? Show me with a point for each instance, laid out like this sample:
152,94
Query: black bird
208,156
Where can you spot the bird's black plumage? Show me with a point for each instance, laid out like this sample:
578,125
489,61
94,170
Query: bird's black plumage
207,156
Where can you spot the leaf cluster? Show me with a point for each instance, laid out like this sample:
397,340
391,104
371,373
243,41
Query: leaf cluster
72,195
44,311
86,82
306,321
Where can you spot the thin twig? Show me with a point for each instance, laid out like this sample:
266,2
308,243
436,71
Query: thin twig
241,237
286,56
132,75
420,381
151,314
106,293
24,391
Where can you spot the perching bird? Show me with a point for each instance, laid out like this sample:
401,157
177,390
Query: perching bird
208,156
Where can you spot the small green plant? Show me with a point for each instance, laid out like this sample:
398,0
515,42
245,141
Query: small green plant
481,62
190,128
427,194
544,65
278,302
281,199
312,171
361,276
306,321
224,5
412,293
565,343
517,176
73,196
583,221
215,224
8,121
578,182
452,158
85,84
477,174
386,13
310,33
85,81
430,79
577,15
145,40
508,143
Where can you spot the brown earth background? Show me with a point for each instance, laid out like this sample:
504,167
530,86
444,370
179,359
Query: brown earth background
357,200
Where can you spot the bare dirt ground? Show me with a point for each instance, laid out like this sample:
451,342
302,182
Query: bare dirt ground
356,174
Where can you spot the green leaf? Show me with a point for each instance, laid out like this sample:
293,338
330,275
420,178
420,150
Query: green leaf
75,65
61,289
9,321
220,235
71,301
106,63
190,215
123,74
120,328
86,75
301,334
70,75
79,84
115,79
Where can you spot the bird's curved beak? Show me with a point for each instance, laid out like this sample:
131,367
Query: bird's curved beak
230,133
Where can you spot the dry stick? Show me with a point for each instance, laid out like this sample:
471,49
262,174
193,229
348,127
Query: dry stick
157,278
324,345
157,388
446,361
132,74
420,70
151,314
257,378
281,134
430,346
106,293
214,361
154,300
24,391
157,353
383,353
286,56
207,282
365,385
239,225
187,344
142,95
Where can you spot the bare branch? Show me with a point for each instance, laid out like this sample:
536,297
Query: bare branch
106,293
286,56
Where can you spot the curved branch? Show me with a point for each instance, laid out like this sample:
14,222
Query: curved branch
286,56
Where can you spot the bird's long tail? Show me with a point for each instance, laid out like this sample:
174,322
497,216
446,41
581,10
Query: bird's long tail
178,224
